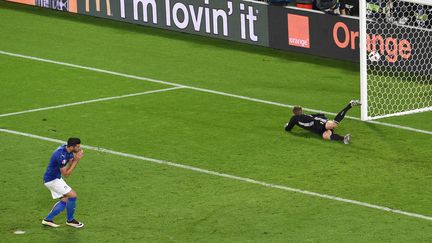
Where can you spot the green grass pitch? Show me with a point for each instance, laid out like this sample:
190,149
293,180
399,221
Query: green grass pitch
125,199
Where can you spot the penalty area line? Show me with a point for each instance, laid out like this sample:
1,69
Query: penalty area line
89,101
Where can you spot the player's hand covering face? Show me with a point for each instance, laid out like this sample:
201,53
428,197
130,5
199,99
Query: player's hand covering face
79,154
77,148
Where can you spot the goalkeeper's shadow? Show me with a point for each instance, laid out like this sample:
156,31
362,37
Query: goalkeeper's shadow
304,135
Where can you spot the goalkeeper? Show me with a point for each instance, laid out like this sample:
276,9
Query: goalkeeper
320,124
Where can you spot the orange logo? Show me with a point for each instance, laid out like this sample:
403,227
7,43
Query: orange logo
298,31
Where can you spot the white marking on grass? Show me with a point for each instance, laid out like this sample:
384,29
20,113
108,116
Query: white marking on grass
19,232
204,90
89,101
233,177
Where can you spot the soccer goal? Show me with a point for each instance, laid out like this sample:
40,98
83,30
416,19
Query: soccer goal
395,57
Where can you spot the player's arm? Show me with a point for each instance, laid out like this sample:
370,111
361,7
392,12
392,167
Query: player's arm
67,170
289,126
318,115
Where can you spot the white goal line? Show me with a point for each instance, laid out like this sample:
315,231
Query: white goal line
228,176
204,90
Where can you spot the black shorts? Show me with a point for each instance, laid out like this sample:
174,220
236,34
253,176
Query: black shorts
318,128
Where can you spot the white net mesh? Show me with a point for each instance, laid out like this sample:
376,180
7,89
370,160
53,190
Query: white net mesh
399,59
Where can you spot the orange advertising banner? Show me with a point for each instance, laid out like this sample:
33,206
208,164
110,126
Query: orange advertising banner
29,2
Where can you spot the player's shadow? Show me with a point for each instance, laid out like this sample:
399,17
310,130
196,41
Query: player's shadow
302,134
201,40
64,233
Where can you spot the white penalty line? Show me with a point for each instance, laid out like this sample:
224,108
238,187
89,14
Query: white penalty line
233,177
204,90
89,101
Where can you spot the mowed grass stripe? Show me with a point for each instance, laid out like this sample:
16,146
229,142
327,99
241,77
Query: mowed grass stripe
204,90
28,85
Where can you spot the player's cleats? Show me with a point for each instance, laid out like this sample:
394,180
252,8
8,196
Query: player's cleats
75,223
355,103
347,139
50,223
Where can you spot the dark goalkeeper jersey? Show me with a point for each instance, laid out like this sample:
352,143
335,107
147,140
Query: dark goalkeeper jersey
314,123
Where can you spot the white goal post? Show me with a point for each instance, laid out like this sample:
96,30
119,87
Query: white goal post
395,57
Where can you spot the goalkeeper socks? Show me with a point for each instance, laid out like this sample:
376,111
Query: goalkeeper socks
336,137
71,208
342,113
58,208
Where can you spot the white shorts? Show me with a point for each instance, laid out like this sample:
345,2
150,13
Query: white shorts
58,188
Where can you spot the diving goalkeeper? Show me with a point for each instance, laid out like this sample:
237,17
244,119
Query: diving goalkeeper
320,124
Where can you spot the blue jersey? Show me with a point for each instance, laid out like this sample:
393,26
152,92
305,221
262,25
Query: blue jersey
59,159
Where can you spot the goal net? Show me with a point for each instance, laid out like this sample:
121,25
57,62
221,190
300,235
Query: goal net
395,57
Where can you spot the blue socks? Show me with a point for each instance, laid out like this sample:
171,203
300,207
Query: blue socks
58,208
71,208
